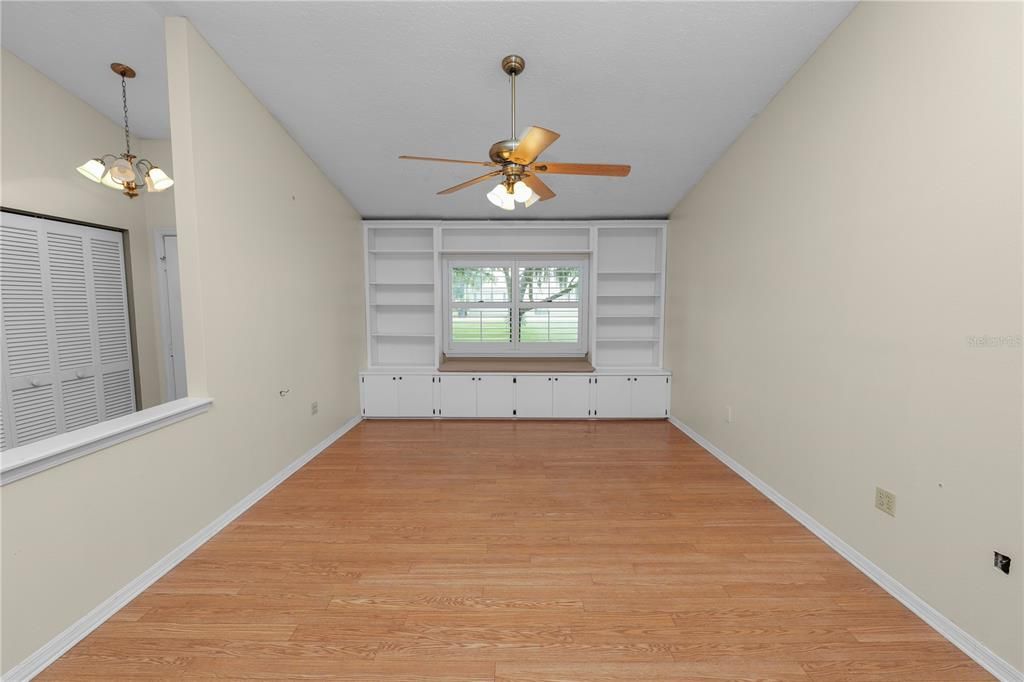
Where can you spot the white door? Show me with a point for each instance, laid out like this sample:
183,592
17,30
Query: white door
533,396
572,397
611,396
458,396
415,395
650,396
173,334
495,396
380,395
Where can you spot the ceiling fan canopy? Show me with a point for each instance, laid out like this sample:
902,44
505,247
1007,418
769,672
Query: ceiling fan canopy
515,159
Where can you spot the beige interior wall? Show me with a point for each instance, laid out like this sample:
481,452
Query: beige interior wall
45,133
273,300
826,276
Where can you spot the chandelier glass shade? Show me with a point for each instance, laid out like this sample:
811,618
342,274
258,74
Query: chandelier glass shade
125,172
505,197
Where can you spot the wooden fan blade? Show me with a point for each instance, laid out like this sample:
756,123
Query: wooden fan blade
537,185
535,141
607,169
434,158
469,183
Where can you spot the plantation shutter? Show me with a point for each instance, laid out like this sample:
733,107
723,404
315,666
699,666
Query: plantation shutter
67,347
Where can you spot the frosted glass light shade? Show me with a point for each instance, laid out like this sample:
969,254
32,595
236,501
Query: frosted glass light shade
157,180
500,197
108,181
521,192
92,169
122,171
534,198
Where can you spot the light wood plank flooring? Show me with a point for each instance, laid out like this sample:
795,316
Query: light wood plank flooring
519,552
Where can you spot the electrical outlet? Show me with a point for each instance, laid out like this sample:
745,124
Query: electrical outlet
314,408
885,501
728,414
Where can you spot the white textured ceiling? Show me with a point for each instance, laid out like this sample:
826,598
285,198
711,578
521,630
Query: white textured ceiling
664,86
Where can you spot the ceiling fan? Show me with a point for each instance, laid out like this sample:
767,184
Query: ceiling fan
516,159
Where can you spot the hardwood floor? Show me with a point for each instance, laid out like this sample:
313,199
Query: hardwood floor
515,552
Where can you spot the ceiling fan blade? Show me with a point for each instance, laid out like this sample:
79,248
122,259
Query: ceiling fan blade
469,183
534,142
537,185
607,169
434,158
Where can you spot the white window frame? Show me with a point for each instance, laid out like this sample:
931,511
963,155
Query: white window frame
515,348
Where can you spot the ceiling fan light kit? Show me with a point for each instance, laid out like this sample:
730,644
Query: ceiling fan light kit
516,159
125,172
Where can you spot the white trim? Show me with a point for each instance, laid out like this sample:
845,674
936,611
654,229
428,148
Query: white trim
52,650
25,460
163,309
959,637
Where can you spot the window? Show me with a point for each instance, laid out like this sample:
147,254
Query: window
515,307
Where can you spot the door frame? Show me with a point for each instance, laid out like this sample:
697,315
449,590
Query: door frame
164,310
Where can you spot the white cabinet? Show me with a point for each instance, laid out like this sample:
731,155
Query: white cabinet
458,396
398,395
611,397
534,396
571,397
495,396
476,396
631,396
415,395
649,396
380,396
530,396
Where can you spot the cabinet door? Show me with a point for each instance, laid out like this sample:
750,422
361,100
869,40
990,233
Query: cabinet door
415,396
611,396
458,396
650,396
533,396
380,395
571,397
495,396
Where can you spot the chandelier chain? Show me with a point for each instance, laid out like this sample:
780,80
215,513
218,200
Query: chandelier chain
124,101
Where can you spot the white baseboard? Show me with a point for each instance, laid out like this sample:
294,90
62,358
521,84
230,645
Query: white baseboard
52,650
960,638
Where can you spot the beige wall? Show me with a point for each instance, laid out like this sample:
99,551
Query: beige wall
45,133
824,278
273,300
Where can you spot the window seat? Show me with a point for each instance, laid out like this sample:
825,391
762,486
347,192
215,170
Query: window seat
522,364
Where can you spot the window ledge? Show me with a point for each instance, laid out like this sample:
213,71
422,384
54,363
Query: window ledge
23,461
515,364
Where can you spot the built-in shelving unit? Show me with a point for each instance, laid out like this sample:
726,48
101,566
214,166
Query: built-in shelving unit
626,283
400,272
630,265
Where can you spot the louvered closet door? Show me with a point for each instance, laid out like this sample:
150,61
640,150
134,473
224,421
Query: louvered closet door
115,350
67,345
30,399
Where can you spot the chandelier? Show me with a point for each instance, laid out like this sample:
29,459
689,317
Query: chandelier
125,172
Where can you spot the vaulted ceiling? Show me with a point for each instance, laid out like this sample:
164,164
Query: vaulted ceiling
664,86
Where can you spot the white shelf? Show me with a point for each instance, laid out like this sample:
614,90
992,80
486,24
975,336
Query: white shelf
629,295
556,252
402,305
401,284
629,340
626,316
644,273
399,335
385,252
